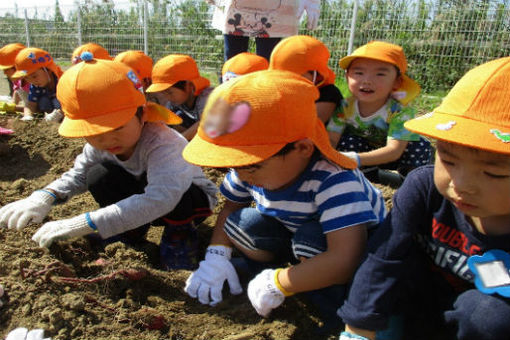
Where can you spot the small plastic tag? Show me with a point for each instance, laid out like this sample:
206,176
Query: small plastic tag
492,272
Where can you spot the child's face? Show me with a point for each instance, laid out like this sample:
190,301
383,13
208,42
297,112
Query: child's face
477,182
372,81
177,96
120,142
9,72
39,78
278,172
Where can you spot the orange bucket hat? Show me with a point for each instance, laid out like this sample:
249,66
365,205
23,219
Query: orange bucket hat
140,62
476,111
98,52
175,68
390,53
8,54
249,119
98,96
241,64
300,54
31,59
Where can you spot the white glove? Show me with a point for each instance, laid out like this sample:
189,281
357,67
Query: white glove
265,293
207,281
312,8
350,336
58,230
352,155
54,116
33,209
22,333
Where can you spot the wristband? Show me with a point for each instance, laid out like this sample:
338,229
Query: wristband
278,285
90,223
51,194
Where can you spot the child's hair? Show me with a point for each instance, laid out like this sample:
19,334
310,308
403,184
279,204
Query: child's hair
241,64
301,54
392,54
98,52
140,62
181,85
256,116
475,113
175,68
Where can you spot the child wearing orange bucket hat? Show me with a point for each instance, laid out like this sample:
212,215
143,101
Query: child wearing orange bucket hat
37,67
241,64
443,253
129,165
18,88
177,81
370,125
98,52
312,207
139,62
309,57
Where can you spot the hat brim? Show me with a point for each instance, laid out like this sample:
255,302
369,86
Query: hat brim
411,89
156,112
95,125
21,74
5,67
463,131
321,141
158,87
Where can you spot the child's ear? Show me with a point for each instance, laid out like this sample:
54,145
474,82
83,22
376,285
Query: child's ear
190,87
305,147
145,115
397,83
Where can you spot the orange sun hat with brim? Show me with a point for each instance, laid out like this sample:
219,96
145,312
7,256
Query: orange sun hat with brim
300,54
174,68
476,111
98,51
250,118
8,54
241,64
31,59
390,53
140,62
98,96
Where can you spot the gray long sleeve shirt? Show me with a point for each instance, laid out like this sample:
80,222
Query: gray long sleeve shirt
157,153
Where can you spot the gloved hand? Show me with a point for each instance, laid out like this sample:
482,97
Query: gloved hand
58,230
350,336
207,281
54,116
352,155
22,333
31,209
265,292
312,8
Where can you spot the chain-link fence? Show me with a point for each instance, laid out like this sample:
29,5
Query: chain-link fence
442,39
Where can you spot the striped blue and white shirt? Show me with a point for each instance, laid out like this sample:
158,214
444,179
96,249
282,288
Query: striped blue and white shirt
324,192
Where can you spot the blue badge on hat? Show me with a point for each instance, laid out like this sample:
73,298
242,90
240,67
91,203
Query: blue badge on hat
492,272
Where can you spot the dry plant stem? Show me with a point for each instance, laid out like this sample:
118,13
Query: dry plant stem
55,266
131,274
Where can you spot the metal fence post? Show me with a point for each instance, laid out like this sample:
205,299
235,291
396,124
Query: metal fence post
78,22
27,33
145,28
353,27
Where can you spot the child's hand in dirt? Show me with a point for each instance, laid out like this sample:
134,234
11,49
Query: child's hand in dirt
31,209
22,333
63,229
264,292
207,281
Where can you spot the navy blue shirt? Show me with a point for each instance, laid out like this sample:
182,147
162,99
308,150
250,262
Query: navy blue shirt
421,219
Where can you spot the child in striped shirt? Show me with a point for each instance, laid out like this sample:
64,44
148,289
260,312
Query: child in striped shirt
312,206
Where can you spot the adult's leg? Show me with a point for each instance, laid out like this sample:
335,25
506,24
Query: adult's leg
264,46
234,44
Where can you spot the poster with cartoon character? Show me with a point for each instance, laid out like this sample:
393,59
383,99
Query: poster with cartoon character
257,18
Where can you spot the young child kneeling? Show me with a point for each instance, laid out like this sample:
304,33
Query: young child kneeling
131,164
312,209
441,258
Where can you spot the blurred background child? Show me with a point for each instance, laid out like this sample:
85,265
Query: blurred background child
441,258
18,88
309,57
139,62
241,64
131,164
370,125
37,67
178,83
98,52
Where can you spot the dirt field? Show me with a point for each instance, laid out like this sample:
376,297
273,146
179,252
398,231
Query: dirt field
76,292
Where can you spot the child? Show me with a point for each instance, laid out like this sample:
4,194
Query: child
241,64
18,88
36,66
309,57
311,209
129,164
446,222
370,127
176,80
98,52
139,62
